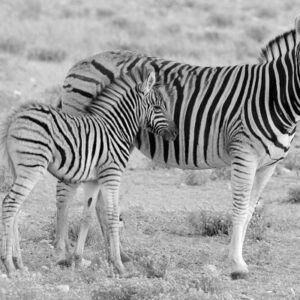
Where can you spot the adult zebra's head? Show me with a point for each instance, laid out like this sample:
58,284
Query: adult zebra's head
297,30
155,115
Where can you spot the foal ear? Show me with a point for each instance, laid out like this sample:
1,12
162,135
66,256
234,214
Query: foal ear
150,82
297,29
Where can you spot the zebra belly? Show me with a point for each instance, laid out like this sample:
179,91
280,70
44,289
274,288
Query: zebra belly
169,155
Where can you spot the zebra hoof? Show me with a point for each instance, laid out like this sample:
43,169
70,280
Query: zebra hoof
65,262
239,275
125,258
82,263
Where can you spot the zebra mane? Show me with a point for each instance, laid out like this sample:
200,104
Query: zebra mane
278,46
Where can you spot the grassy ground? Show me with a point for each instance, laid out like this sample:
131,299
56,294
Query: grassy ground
169,214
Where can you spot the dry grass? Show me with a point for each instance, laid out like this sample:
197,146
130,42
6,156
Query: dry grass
39,42
293,195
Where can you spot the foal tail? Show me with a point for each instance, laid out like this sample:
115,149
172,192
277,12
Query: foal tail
4,152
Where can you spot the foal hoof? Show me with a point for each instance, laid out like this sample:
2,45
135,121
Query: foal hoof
82,263
65,262
125,258
239,275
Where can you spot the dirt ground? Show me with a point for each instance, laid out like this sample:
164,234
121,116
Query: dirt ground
171,261
165,210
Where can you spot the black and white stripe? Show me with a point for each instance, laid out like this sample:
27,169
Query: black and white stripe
93,148
244,116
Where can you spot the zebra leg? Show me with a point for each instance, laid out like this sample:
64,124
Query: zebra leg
90,197
242,177
102,218
261,179
17,258
10,208
110,193
64,194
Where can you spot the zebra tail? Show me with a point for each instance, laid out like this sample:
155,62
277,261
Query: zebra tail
4,127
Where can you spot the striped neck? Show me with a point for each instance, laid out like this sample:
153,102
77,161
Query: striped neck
119,108
284,90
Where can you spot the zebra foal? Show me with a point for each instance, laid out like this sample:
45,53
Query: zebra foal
92,148
240,116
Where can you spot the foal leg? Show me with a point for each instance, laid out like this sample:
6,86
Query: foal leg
64,194
102,218
10,207
110,193
91,190
17,258
261,179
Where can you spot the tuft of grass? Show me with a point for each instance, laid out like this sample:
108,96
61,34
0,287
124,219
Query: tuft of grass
209,222
12,45
294,195
69,13
221,20
193,177
258,224
47,54
221,174
266,13
132,289
104,13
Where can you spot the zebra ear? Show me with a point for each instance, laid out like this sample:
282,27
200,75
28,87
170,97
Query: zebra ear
297,29
150,82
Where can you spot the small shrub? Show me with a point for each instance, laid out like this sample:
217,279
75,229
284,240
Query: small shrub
69,13
193,177
221,174
294,195
258,224
104,13
266,13
48,55
221,20
132,289
209,223
212,35
12,45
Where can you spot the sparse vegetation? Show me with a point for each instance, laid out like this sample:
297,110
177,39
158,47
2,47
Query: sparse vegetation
12,45
176,234
294,195
47,54
209,222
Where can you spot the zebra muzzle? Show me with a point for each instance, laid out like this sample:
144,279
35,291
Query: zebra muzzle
170,134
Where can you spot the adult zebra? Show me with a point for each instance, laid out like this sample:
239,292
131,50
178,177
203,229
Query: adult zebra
244,116
92,148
